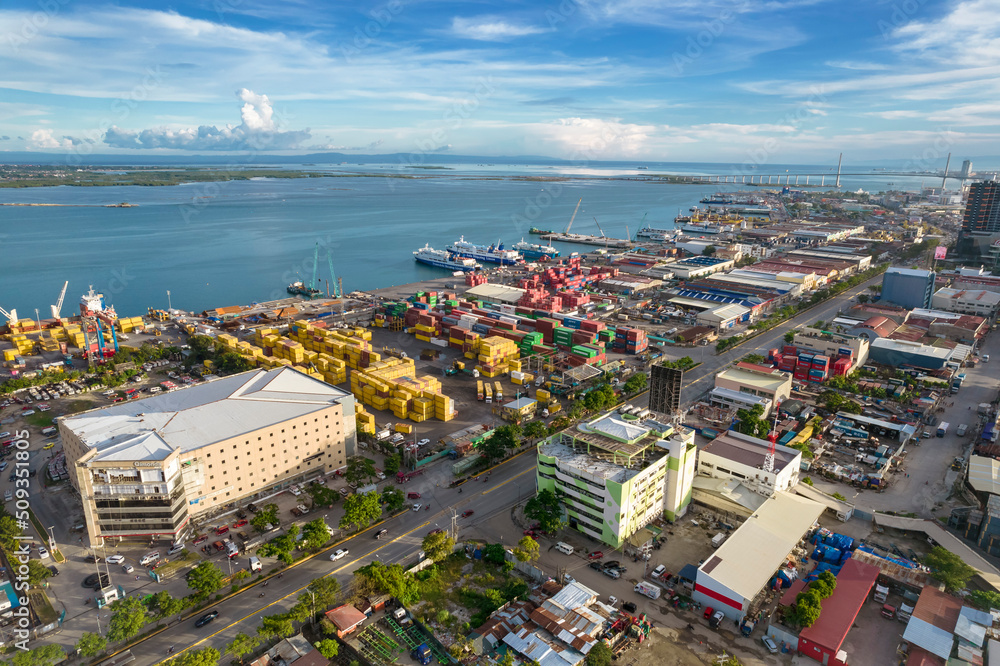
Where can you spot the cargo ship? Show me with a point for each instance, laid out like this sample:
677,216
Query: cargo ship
299,288
539,232
535,251
494,254
655,234
443,259
737,204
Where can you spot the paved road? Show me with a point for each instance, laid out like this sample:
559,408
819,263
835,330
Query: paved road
243,612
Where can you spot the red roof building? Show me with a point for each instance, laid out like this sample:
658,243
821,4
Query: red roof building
345,618
823,639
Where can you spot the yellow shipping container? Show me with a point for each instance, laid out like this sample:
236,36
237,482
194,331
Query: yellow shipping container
404,428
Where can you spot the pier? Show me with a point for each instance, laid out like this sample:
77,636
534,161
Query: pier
586,239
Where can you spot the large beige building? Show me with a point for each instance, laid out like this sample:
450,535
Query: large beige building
146,468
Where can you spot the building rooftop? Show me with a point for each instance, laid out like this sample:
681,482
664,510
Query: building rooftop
933,622
984,474
909,272
747,559
750,451
190,418
770,381
840,609
911,347
498,292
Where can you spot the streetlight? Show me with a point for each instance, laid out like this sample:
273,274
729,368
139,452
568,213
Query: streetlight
52,538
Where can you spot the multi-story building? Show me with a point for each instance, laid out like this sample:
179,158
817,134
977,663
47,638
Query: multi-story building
982,209
145,469
967,301
758,380
616,474
834,345
733,455
908,287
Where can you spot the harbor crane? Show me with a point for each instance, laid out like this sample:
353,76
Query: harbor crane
575,210
11,316
312,283
57,308
337,289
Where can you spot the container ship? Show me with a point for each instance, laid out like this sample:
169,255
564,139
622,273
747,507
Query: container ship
535,251
443,259
494,254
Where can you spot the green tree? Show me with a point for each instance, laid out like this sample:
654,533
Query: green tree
806,610
282,546
527,550
360,510
267,515
948,568
984,599
789,337
438,546
328,648
90,644
203,657
8,531
863,298
37,572
315,534
165,605
359,469
502,440
636,383
495,553
393,499
391,579
272,626
325,591
392,463
232,363
546,509
535,430
128,617
205,578
751,422
753,358
708,251
44,655
600,655
508,658
242,645
321,495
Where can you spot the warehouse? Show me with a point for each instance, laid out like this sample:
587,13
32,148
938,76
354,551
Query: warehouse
740,569
495,293
145,468
699,266
824,639
758,380
730,399
966,301
902,353
733,455
724,316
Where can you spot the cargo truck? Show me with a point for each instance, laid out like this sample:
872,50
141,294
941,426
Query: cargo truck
881,593
498,391
942,429
489,392
650,590
962,429
479,390
422,653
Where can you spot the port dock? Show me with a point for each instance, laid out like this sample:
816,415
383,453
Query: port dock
586,239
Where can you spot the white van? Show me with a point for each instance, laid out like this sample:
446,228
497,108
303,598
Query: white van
255,564
50,431
564,548
149,558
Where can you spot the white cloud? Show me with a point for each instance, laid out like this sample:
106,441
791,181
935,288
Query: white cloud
856,65
965,36
44,138
258,131
895,114
490,29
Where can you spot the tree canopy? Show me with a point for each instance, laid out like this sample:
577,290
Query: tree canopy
391,579
315,534
527,550
600,655
282,546
266,515
205,578
128,617
546,509
393,499
359,469
948,568
203,657
361,510
242,645
438,546
751,422
91,645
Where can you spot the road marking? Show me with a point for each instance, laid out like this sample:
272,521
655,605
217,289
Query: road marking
245,618
501,485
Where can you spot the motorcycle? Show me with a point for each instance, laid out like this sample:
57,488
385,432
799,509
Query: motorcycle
427,508
260,595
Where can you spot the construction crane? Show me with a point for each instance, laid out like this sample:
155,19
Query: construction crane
773,439
641,222
57,308
312,284
11,316
574,215
333,279
599,228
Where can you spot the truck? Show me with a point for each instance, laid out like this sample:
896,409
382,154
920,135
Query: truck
489,392
881,593
962,429
904,612
383,435
422,653
479,390
650,590
718,539
942,429
498,391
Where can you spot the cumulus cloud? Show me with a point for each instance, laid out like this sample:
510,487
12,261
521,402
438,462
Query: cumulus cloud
257,131
43,138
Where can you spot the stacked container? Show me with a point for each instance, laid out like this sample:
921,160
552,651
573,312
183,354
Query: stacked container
630,340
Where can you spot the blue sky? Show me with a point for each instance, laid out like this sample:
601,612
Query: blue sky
777,81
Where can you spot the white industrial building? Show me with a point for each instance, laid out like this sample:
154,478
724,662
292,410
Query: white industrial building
733,455
495,293
740,569
723,317
728,398
966,301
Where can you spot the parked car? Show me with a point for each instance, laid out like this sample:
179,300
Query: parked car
716,619
381,533
238,524
769,644
435,531
116,559
629,607
54,570
708,612
418,507
596,566
596,555
222,530
412,495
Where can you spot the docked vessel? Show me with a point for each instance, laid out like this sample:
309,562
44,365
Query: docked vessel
300,288
444,259
587,239
535,251
738,204
494,254
655,234
538,232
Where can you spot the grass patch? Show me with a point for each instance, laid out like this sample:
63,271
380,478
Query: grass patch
76,406
39,419
171,567
41,605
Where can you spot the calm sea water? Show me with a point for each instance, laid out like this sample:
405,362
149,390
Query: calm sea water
238,242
